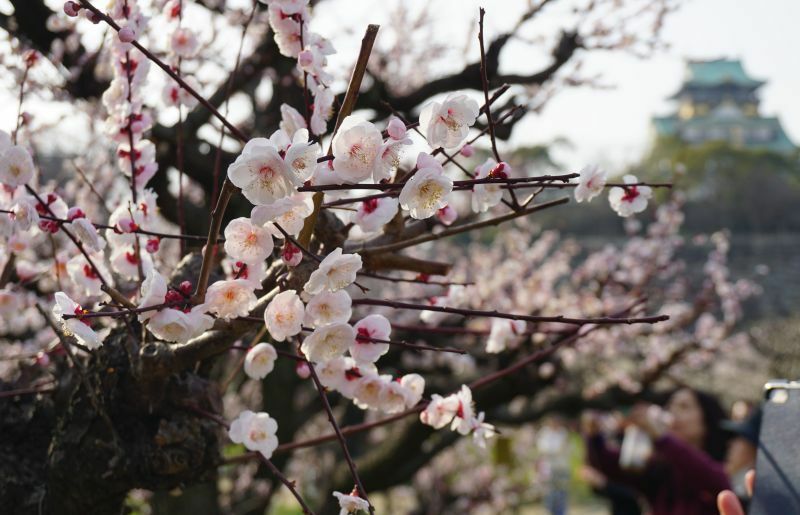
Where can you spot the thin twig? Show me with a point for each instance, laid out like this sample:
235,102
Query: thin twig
67,345
350,463
458,229
488,112
510,316
77,242
348,104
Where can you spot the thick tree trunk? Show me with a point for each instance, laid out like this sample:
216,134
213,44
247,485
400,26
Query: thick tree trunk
80,450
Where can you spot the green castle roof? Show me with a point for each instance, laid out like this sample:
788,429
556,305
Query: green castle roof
717,72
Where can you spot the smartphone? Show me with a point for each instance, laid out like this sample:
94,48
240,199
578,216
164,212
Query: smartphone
777,488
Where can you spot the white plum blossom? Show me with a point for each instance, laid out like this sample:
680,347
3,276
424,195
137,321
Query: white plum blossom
302,156
261,173
257,431
253,273
291,120
25,214
284,315
465,412
298,153
77,327
153,292
424,193
175,325
343,374
290,213
337,271
290,6
369,391
287,39
440,411
502,333
351,503
260,360
447,124
16,166
393,398
246,241
84,275
174,95
125,261
331,372
481,431
184,42
87,233
323,109
328,342
356,146
629,200
371,327
388,159
328,307
372,214
230,298
458,410
485,196
414,385
590,183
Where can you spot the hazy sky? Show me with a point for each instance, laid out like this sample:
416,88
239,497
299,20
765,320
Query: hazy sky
613,126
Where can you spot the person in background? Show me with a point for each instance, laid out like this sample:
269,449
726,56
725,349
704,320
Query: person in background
552,443
742,452
683,474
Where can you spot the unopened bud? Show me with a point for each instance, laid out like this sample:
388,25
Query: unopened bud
126,34
152,245
72,9
396,129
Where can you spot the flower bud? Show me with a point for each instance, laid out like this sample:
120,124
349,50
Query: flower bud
291,254
302,370
396,129
127,225
467,150
152,245
126,34
305,58
447,215
74,213
71,9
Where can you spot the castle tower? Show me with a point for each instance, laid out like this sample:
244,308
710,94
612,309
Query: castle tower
718,101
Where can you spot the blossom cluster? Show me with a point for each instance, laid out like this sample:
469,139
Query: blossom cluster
289,20
183,45
627,199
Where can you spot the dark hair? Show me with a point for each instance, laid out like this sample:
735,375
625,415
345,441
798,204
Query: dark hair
716,439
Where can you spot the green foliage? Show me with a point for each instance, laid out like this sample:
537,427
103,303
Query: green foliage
744,190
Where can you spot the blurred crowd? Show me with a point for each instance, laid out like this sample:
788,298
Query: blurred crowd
673,458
